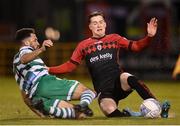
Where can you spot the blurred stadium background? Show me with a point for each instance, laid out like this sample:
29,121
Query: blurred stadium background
65,21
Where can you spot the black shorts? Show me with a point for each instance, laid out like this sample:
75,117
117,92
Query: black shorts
117,93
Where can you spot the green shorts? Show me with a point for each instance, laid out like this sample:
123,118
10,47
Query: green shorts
52,90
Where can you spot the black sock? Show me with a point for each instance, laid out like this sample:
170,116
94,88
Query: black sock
116,113
140,87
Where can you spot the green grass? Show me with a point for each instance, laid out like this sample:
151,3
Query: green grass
14,111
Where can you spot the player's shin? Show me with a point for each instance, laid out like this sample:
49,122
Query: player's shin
86,99
140,87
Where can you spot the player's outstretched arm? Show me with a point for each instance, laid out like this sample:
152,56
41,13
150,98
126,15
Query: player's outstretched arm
33,55
142,43
64,68
70,65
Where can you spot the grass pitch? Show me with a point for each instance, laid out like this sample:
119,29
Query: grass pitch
14,112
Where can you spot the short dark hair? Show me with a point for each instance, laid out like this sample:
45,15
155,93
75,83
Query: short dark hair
95,13
23,33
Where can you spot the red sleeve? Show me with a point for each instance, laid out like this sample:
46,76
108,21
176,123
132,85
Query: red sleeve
133,45
140,44
64,68
70,65
122,41
77,55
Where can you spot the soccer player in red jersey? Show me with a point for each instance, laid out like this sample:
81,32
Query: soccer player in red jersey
101,54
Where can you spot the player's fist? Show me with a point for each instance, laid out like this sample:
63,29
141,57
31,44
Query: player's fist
152,27
46,43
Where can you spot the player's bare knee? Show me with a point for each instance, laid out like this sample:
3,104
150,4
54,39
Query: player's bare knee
107,105
79,90
81,87
124,83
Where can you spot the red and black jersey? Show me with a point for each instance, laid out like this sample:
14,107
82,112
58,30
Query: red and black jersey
101,57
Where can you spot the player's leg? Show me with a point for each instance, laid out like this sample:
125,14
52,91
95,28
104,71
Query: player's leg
86,96
71,110
129,82
57,108
71,90
51,87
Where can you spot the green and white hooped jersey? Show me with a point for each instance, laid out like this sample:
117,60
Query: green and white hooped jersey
26,75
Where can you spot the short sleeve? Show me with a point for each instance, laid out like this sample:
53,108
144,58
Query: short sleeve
24,50
122,41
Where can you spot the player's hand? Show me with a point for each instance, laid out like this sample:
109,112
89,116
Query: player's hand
152,27
47,68
46,43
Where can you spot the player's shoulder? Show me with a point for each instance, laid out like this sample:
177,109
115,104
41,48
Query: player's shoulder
85,40
117,36
26,48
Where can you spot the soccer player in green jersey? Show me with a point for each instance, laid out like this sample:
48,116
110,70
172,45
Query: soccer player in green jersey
45,94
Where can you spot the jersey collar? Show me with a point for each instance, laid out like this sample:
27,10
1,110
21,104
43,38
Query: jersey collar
98,38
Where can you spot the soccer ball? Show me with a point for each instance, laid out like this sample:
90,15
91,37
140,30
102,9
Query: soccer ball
150,108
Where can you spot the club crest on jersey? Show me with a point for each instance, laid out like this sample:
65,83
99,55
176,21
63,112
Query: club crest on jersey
99,47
